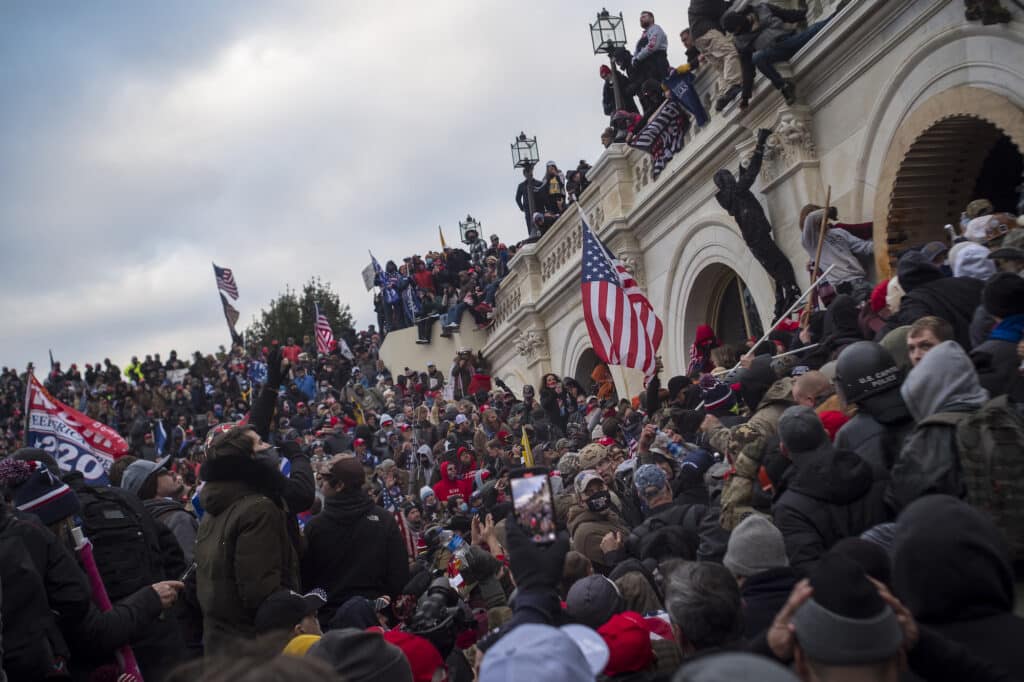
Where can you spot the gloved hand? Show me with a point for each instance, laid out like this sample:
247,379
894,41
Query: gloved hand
534,566
762,135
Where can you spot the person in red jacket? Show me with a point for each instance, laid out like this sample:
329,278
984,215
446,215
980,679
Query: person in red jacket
291,351
451,484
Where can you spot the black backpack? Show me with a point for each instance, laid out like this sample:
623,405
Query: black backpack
124,541
672,534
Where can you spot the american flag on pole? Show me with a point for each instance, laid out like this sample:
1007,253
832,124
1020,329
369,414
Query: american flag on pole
226,281
230,314
623,327
324,335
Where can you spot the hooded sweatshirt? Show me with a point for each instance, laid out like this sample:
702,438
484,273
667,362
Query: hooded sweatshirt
447,487
951,568
942,389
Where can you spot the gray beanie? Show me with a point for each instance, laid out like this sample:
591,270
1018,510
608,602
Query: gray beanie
755,546
593,600
362,656
734,666
136,473
800,429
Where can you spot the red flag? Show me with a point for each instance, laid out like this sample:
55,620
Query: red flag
623,327
76,441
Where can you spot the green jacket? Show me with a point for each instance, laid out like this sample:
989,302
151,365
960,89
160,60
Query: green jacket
243,553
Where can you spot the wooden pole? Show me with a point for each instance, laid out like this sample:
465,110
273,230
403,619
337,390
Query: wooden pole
812,300
743,307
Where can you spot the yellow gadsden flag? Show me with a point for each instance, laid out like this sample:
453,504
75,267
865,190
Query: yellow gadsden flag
441,233
527,452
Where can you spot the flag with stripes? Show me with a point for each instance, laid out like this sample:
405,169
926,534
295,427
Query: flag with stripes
230,314
324,335
623,327
664,135
226,281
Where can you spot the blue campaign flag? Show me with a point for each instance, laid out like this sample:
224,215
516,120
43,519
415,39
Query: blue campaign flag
682,87
160,437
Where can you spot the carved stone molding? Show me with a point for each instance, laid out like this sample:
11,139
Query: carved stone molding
532,345
634,266
791,142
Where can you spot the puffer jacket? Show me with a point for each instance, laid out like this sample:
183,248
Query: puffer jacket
940,391
243,550
182,523
587,528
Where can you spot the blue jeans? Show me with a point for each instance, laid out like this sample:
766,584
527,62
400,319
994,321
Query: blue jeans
455,314
783,51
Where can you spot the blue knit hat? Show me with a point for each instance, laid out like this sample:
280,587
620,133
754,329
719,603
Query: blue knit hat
36,490
718,397
649,480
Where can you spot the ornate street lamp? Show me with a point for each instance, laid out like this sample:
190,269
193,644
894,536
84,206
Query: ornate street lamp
525,155
524,152
469,224
608,33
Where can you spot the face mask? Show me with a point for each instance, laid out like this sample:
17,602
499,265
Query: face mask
599,501
463,507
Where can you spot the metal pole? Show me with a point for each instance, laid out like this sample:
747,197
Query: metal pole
743,307
529,197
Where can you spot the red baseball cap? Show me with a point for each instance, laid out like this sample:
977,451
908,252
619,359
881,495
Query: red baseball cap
359,441
422,655
629,643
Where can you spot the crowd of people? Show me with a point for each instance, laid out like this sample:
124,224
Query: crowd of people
838,501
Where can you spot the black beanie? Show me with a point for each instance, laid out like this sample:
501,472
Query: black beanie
869,555
676,384
1003,295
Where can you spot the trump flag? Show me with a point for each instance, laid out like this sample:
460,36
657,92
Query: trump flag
77,442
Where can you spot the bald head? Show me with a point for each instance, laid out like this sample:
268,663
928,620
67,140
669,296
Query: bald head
810,388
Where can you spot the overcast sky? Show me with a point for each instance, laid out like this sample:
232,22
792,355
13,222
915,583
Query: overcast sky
141,141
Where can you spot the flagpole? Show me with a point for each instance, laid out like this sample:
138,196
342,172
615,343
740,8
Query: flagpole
789,312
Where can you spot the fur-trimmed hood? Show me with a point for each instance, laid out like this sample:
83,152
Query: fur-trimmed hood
231,477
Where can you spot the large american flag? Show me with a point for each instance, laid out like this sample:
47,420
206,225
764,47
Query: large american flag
324,335
226,281
623,327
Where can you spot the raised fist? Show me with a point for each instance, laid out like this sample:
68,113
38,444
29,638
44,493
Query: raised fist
762,135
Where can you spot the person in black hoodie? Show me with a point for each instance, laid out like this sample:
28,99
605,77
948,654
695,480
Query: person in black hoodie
867,376
954,299
831,494
354,547
951,568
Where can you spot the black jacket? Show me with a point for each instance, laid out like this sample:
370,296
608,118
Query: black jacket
996,362
954,299
952,569
832,494
877,436
47,605
763,594
354,548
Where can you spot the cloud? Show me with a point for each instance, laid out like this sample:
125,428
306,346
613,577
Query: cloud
141,142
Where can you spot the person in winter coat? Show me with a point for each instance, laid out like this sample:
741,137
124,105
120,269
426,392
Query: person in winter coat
756,556
939,392
591,518
832,494
451,484
841,250
745,443
716,49
996,359
951,567
555,401
763,36
47,613
243,549
735,196
650,58
354,547
608,92
160,491
867,376
928,292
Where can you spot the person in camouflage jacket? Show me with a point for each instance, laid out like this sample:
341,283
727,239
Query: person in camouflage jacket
745,443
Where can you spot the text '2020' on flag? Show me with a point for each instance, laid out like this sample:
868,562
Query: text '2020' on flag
623,327
77,442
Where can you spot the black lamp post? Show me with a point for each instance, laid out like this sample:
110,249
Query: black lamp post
608,33
525,155
469,224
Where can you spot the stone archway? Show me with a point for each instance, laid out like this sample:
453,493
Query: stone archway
725,302
584,366
933,165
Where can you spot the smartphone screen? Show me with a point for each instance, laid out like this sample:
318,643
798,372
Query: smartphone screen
535,512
